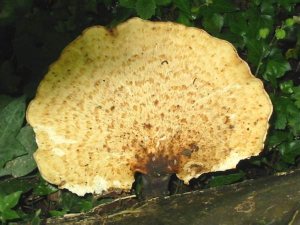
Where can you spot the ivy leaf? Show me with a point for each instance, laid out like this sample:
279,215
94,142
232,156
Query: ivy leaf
11,120
145,8
24,164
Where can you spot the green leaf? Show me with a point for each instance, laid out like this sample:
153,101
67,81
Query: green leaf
267,8
44,188
280,121
184,19
217,6
246,25
145,8
255,50
128,3
163,2
73,203
9,201
36,219
226,179
286,113
23,184
255,20
222,6
121,15
294,119
289,151
276,68
296,96
213,23
287,87
278,137
9,214
280,33
287,4
280,112
56,213
237,23
183,6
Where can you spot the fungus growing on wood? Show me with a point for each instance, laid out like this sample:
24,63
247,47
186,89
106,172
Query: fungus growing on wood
148,97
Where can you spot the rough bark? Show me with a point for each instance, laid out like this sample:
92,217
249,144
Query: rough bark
269,200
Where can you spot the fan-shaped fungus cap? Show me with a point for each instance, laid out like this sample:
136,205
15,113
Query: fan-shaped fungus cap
153,97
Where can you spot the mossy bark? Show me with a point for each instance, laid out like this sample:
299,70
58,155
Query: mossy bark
269,200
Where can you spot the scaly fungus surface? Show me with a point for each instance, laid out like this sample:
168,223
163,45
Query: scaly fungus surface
152,97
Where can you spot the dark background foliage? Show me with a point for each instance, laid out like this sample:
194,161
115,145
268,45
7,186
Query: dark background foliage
34,32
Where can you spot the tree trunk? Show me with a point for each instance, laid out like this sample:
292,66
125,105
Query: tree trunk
269,200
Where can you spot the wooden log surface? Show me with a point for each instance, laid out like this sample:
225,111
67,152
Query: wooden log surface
268,200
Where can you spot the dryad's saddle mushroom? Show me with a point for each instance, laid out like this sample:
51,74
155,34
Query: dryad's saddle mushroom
152,97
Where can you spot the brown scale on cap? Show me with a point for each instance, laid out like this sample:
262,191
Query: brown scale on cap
153,97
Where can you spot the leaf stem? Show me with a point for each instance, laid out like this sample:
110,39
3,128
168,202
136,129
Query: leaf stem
264,54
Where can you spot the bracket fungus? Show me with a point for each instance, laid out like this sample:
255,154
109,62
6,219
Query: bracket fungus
149,97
